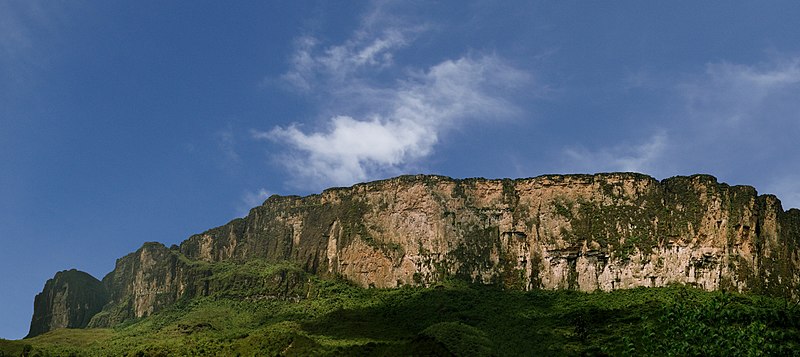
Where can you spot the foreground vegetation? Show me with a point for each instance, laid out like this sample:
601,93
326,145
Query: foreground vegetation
454,318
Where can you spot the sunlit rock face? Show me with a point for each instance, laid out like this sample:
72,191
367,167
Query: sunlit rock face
146,281
583,232
580,232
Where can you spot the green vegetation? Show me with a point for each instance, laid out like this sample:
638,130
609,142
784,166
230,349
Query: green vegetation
11,348
453,318
260,307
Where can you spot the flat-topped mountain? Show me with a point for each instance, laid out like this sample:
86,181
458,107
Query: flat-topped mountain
581,232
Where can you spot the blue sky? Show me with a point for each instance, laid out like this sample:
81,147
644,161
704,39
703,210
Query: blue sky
126,122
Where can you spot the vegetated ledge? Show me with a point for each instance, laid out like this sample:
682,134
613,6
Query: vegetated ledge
582,232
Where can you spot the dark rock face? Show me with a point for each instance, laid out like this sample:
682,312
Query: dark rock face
148,280
582,232
69,299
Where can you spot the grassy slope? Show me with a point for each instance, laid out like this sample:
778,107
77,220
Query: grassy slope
454,318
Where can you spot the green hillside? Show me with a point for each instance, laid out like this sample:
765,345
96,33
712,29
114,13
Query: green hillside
455,318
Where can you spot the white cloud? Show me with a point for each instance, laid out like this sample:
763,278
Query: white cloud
405,122
350,149
642,157
738,122
742,121
382,31
384,117
732,94
313,67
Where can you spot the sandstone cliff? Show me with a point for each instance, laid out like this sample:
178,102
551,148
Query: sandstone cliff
147,280
583,232
69,299
155,277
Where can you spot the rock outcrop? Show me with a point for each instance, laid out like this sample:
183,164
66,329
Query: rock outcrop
68,300
582,232
146,281
155,277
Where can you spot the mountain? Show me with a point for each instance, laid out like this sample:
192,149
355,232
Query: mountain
580,232
69,299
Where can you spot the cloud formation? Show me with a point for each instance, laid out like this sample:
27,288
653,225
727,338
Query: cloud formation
405,123
742,116
731,120
752,119
382,126
733,94
312,68
252,199
638,157
226,144
29,38
368,51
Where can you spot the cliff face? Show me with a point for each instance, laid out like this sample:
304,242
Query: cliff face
583,232
146,281
69,299
155,277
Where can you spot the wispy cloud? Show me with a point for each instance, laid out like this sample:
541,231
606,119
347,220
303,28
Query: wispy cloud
746,120
383,126
226,144
313,67
405,124
27,31
370,49
730,94
739,114
736,121
637,157
251,199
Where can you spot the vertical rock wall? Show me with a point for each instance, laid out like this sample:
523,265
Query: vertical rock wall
582,232
68,300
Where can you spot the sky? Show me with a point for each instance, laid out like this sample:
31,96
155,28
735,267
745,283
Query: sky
127,122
